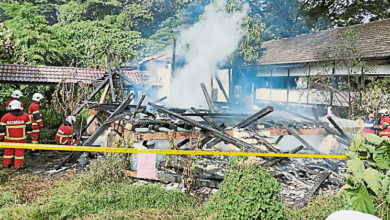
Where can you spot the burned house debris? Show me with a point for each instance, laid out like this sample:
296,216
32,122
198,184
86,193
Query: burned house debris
153,126
143,122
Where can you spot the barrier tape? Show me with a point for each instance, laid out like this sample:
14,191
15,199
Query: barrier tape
166,152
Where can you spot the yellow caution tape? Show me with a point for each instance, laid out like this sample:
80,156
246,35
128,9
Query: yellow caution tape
168,152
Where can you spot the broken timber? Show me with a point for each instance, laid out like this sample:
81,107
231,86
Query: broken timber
260,114
217,133
75,155
314,188
208,99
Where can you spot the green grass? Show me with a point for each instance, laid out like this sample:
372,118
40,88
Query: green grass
73,200
317,209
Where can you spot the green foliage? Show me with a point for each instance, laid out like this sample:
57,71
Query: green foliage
320,208
7,199
101,189
368,181
90,42
32,39
247,192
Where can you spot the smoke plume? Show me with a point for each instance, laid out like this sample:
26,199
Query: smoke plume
205,45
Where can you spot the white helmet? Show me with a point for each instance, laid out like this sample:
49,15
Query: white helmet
37,97
16,94
15,104
71,119
384,111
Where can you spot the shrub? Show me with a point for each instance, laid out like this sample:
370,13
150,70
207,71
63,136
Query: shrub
247,192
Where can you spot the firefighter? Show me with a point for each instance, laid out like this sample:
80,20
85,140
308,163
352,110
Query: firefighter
65,134
383,127
36,117
14,127
369,124
14,96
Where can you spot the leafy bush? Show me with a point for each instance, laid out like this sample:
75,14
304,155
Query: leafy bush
369,180
247,192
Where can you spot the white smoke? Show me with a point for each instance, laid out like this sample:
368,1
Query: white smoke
204,46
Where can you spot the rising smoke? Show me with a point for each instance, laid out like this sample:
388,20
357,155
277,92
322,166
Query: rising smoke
205,45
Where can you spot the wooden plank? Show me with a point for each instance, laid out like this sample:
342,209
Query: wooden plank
137,137
303,131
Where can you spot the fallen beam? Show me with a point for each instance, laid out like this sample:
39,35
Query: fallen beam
222,88
272,162
217,133
260,114
315,187
90,96
75,155
305,144
342,133
208,99
263,141
138,106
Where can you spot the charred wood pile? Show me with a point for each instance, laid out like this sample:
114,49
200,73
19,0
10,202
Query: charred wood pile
154,126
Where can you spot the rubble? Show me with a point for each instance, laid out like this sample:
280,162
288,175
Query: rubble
157,127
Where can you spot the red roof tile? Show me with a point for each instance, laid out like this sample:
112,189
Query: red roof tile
53,74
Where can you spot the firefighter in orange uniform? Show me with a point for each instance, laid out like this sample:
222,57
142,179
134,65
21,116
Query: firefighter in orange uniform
14,127
384,123
14,96
65,134
36,117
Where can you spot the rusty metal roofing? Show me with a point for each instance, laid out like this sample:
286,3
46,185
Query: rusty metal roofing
372,40
14,73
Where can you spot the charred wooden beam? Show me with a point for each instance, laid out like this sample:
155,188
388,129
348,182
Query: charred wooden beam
208,99
222,88
260,114
214,114
110,75
343,134
315,187
327,128
274,161
100,130
307,145
279,139
208,121
138,106
263,141
90,96
217,133
160,99
90,122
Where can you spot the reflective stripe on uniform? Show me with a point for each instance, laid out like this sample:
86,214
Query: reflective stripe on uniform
15,138
19,158
2,123
384,132
34,131
2,134
63,136
8,156
35,112
16,126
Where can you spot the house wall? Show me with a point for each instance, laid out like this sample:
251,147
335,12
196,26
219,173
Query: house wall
287,84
